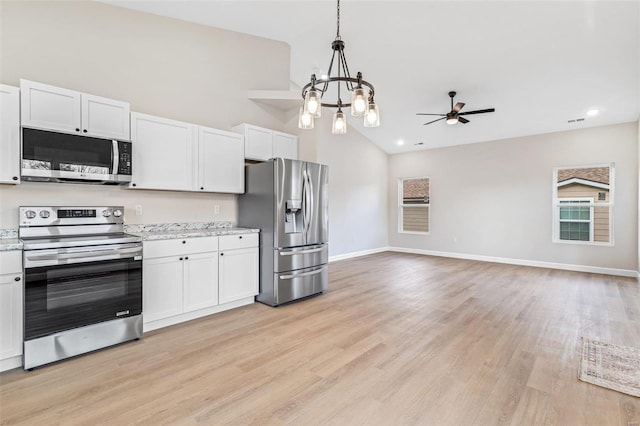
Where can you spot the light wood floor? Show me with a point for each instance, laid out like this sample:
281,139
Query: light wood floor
398,339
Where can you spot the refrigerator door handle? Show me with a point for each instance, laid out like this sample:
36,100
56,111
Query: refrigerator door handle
308,194
303,274
293,253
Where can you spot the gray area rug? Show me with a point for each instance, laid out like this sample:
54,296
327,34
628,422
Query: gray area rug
610,366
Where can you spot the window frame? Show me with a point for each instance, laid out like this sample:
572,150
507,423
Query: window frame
401,206
555,205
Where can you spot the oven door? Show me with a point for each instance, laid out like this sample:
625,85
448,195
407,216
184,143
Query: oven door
66,292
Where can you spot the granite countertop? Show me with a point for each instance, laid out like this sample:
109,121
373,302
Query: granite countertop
167,231
9,240
161,231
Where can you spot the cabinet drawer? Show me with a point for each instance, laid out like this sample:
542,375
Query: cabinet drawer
11,262
230,242
178,246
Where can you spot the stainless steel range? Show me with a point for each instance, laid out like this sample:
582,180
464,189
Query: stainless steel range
83,281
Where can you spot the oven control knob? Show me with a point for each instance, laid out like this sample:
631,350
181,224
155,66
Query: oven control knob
45,214
30,214
106,213
117,212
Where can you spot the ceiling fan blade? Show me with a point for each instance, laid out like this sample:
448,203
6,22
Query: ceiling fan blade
458,106
463,120
426,113
478,111
434,121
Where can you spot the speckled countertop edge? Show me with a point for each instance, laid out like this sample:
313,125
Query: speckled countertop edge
168,231
192,233
164,231
9,240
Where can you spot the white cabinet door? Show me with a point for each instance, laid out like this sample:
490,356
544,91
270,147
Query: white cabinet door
258,143
285,145
49,107
9,134
10,315
221,161
200,281
105,118
238,274
163,153
162,288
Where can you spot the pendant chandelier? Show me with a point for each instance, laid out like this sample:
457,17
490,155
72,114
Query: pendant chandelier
358,91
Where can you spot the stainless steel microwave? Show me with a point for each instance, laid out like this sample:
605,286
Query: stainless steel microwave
60,157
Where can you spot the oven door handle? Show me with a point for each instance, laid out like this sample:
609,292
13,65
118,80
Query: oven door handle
52,257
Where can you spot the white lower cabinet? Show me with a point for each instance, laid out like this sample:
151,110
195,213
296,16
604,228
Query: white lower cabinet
188,278
161,288
200,281
238,267
11,309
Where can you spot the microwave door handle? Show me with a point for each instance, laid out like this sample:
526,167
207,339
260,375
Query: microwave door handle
115,158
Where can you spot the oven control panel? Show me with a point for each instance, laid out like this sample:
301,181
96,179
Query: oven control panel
53,216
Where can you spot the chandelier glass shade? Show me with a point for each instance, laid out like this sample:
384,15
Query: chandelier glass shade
359,92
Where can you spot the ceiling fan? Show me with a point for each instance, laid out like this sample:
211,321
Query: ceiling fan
454,116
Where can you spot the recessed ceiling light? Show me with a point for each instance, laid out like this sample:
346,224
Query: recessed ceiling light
400,142
592,112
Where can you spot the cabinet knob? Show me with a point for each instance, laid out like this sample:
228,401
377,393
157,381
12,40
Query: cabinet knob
221,254
15,178
240,237
186,258
202,187
133,184
184,242
181,259
77,130
84,131
16,279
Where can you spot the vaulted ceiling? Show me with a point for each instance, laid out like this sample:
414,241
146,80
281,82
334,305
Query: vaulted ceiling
540,64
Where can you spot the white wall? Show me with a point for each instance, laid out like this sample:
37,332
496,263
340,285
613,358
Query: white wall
161,66
358,169
494,198
639,199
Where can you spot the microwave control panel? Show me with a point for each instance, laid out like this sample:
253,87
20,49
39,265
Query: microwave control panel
124,158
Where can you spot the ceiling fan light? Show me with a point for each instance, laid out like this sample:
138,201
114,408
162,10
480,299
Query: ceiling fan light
372,116
359,98
305,119
339,126
313,102
452,120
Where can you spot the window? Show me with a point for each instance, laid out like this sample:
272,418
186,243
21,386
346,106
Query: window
413,212
576,222
583,204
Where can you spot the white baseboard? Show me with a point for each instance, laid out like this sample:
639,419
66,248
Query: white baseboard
165,322
357,254
522,262
638,275
11,363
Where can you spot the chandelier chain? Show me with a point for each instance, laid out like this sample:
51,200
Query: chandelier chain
338,22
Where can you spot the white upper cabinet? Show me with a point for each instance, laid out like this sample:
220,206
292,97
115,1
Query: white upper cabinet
163,153
105,118
221,161
262,144
285,145
54,108
9,134
174,155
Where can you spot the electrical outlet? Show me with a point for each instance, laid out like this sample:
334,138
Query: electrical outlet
216,209
138,210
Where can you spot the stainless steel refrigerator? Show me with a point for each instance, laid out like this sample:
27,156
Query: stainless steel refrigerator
288,201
